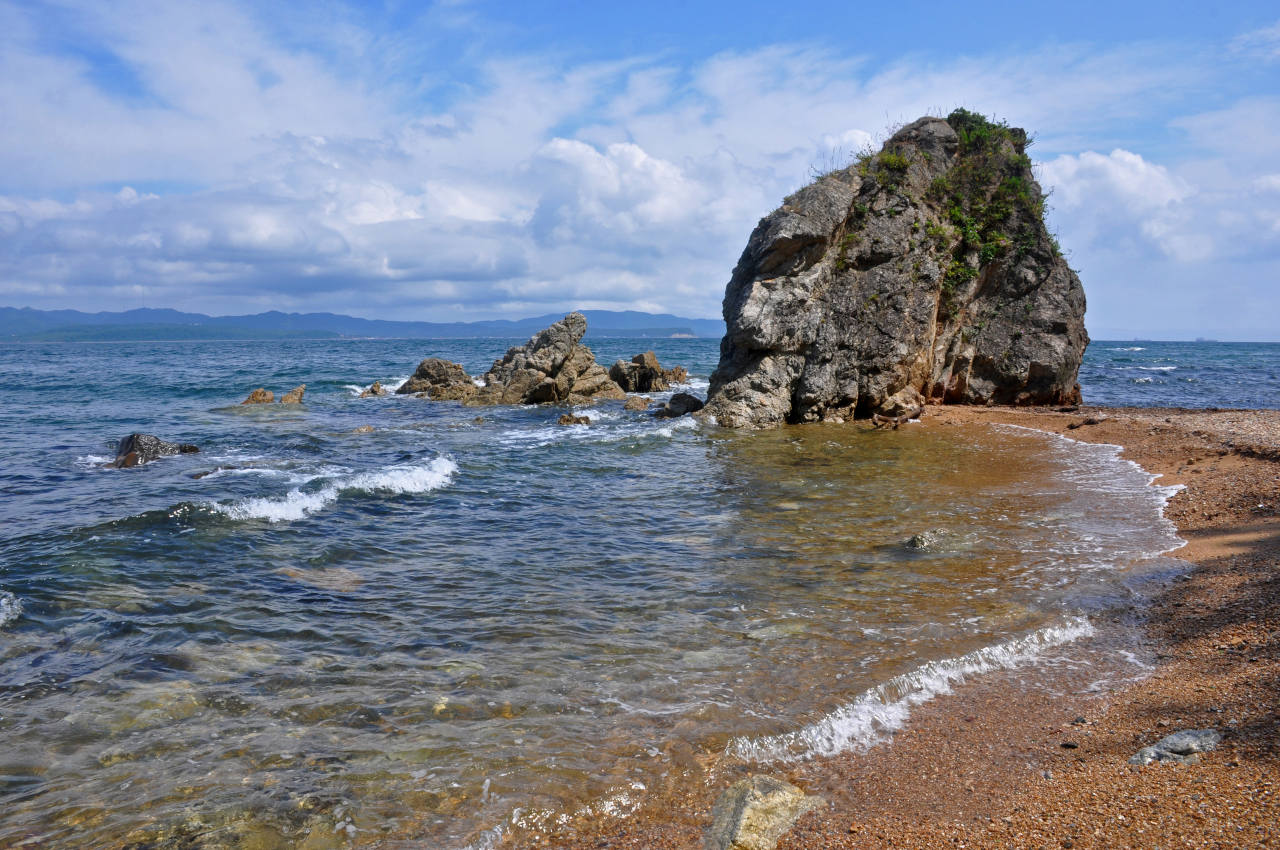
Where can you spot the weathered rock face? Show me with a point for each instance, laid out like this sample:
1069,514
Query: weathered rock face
137,449
923,272
553,366
441,380
645,375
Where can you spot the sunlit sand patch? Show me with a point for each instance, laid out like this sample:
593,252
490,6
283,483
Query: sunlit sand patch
328,578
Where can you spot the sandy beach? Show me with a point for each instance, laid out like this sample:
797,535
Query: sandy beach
1000,763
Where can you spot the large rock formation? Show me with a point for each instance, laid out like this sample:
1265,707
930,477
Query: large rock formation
923,272
553,366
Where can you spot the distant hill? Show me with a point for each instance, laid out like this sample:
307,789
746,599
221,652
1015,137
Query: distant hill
28,325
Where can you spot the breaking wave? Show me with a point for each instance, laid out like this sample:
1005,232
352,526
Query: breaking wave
876,714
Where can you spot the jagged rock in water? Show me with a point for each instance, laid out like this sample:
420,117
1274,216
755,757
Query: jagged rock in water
645,375
636,402
553,366
375,389
294,396
570,419
753,813
923,272
441,380
137,449
260,396
679,405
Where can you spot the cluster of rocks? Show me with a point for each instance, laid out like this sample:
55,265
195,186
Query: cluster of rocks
265,396
552,367
922,273
645,375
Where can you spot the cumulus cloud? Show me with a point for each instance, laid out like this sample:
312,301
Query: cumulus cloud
220,160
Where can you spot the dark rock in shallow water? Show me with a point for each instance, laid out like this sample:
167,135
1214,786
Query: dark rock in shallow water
137,449
753,813
921,272
441,380
375,389
294,396
570,419
553,366
1184,747
645,375
679,405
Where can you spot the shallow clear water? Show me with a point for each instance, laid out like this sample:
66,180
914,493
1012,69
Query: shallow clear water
471,618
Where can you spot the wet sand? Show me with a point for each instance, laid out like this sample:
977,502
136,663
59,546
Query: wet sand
1001,763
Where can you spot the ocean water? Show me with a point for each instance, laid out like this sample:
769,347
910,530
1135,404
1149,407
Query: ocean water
473,622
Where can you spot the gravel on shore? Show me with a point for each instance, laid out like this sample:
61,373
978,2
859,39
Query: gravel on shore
997,764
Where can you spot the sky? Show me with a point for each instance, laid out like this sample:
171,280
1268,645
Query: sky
475,159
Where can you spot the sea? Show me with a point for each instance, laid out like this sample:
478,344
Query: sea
400,623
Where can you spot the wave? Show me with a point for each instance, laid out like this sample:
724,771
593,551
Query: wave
390,386
10,608
1134,348
1157,368
876,714
297,503
599,431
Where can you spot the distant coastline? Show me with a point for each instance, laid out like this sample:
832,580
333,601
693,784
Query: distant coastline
152,325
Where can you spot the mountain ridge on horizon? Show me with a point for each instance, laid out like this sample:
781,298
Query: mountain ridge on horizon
26,324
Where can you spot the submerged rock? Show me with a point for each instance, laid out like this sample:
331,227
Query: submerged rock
260,396
645,375
922,272
637,402
570,419
1183,747
753,813
553,366
679,405
137,449
441,380
294,396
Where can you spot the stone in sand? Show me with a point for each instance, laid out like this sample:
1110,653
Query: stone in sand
294,396
753,813
137,449
679,405
260,396
1183,747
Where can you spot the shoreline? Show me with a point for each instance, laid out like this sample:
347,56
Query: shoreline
1000,763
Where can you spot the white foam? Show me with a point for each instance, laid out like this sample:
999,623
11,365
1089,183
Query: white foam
1135,348
296,504
1157,368
93,461
10,608
390,385
876,714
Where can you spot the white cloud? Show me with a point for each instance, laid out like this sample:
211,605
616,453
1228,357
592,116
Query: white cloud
353,174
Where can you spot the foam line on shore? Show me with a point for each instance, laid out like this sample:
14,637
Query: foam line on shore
876,714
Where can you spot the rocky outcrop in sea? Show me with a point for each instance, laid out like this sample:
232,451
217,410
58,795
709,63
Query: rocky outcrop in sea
645,375
137,449
922,272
